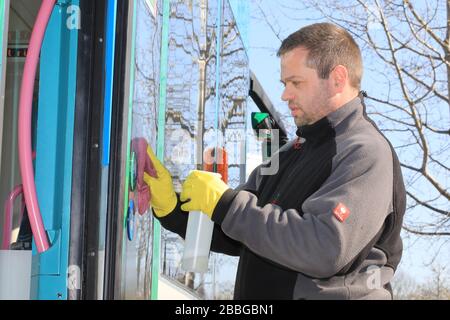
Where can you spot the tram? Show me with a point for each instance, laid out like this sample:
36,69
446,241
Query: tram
79,81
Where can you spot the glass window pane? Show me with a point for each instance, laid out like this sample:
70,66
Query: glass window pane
193,123
190,113
137,253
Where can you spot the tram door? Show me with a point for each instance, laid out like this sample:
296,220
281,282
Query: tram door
79,152
111,253
42,274
116,258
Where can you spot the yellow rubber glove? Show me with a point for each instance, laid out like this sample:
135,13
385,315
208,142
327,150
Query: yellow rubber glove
204,189
164,199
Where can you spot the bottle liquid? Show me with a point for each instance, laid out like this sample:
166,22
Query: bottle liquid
200,227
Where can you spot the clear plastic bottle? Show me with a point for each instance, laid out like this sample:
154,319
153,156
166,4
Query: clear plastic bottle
197,242
200,227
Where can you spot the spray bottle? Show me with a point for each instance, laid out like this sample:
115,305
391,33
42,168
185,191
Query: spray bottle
200,227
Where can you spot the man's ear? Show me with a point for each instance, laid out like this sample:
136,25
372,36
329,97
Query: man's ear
339,78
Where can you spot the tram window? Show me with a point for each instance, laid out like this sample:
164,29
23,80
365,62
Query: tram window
196,118
191,118
190,114
137,253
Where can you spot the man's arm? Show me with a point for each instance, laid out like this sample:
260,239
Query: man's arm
177,220
321,242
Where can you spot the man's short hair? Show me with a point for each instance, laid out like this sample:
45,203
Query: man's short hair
329,45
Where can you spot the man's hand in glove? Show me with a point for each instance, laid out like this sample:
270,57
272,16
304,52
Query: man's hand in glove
164,199
204,190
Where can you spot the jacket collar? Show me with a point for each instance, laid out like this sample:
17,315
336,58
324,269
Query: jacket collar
328,125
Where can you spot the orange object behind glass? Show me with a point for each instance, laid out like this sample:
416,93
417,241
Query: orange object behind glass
222,163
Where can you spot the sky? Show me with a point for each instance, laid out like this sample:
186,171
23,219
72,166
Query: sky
262,44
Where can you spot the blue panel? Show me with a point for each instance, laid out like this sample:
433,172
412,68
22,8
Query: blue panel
4,5
241,11
109,77
54,147
218,60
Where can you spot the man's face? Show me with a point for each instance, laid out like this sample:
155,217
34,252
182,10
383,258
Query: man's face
306,94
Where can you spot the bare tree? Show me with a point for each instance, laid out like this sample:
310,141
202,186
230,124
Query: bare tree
403,286
406,45
436,287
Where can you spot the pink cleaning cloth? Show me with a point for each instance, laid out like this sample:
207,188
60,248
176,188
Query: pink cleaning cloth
144,164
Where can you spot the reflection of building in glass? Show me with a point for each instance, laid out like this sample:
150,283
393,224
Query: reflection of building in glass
192,117
205,106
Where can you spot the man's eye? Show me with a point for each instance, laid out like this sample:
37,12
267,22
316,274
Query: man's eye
296,83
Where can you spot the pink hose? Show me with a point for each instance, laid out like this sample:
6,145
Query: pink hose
25,106
7,225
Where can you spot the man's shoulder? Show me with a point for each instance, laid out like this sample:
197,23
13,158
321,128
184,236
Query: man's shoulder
363,141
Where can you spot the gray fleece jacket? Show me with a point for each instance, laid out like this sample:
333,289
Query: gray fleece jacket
326,225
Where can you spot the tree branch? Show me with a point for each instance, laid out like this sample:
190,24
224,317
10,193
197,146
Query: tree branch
422,233
424,24
426,205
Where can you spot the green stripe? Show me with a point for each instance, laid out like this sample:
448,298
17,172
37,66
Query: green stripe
160,139
130,117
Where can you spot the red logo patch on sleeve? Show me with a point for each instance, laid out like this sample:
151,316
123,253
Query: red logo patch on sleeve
341,212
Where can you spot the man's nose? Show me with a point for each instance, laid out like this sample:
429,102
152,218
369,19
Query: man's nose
286,95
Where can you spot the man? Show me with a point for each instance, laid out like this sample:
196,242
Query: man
327,224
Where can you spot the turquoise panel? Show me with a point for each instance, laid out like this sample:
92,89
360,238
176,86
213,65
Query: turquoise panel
54,146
